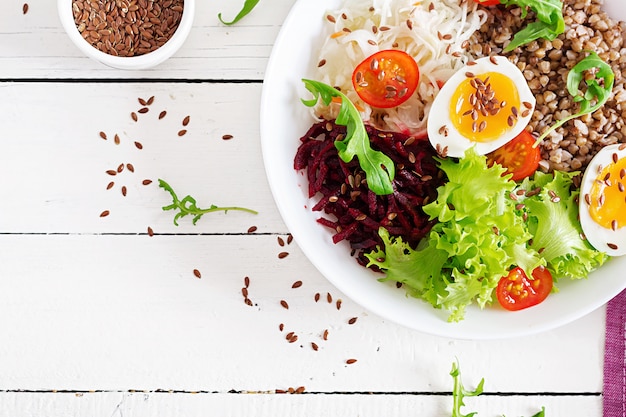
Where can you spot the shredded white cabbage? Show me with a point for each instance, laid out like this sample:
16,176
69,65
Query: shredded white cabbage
437,38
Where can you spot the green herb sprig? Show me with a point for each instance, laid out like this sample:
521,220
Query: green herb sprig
245,10
459,393
596,91
187,206
549,23
379,168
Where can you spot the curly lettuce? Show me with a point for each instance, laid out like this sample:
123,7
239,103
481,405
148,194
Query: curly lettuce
487,225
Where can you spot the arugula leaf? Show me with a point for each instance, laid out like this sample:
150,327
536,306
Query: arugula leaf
187,206
549,24
247,8
459,392
379,168
598,88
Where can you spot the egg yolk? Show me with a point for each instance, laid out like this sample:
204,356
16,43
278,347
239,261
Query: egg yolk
607,197
485,106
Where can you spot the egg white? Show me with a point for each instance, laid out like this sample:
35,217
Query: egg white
599,236
453,141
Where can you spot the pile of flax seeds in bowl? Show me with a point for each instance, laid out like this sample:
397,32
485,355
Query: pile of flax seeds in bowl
545,65
127,27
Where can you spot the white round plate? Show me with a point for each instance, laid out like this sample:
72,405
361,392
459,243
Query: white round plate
284,119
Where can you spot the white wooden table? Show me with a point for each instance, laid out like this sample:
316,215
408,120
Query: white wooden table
99,318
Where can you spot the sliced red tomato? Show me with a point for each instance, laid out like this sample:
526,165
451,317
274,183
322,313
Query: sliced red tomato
386,79
488,2
516,291
518,156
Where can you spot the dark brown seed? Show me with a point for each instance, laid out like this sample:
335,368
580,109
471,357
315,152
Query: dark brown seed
197,273
317,297
105,213
281,327
111,172
296,284
146,182
314,346
162,114
186,120
289,335
352,320
325,334
138,145
469,74
143,110
289,238
150,100
284,304
142,101
493,60
103,135
227,137
246,281
614,225
331,18
293,339
120,168
133,115
124,191
150,231
282,255
110,185
280,240
338,304
182,132
130,167
329,297
350,361
248,301
252,229
612,246
25,8
321,63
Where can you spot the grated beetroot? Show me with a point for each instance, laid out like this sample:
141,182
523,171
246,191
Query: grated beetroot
356,213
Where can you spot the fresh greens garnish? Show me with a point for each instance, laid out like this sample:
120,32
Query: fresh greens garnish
599,88
549,24
459,392
379,168
187,206
247,8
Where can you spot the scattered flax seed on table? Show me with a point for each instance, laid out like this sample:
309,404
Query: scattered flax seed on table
227,137
162,114
150,231
103,135
116,139
284,304
252,229
138,145
197,273
350,361
352,320
143,110
25,8
186,120
182,132
281,241
133,116
105,213
146,182
283,255
296,284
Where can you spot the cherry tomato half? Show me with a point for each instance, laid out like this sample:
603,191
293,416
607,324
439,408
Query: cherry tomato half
386,79
516,291
518,156
488,2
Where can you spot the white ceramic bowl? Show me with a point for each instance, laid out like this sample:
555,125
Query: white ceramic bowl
138,62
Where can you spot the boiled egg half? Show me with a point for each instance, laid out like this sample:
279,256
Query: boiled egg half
483,105
602,202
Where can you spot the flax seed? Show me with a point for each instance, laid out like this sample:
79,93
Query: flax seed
186,120
227,137
116,139
146,182
350,361
124,190
352,320
25,8
314,346
162,114
182,132
329,298
130,167
321,63
252,229
105,213
138,145
197,273
283,255
110,185
317,297
325,334
296,284
284,304
150,231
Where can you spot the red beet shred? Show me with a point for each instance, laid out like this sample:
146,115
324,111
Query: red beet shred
356,213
